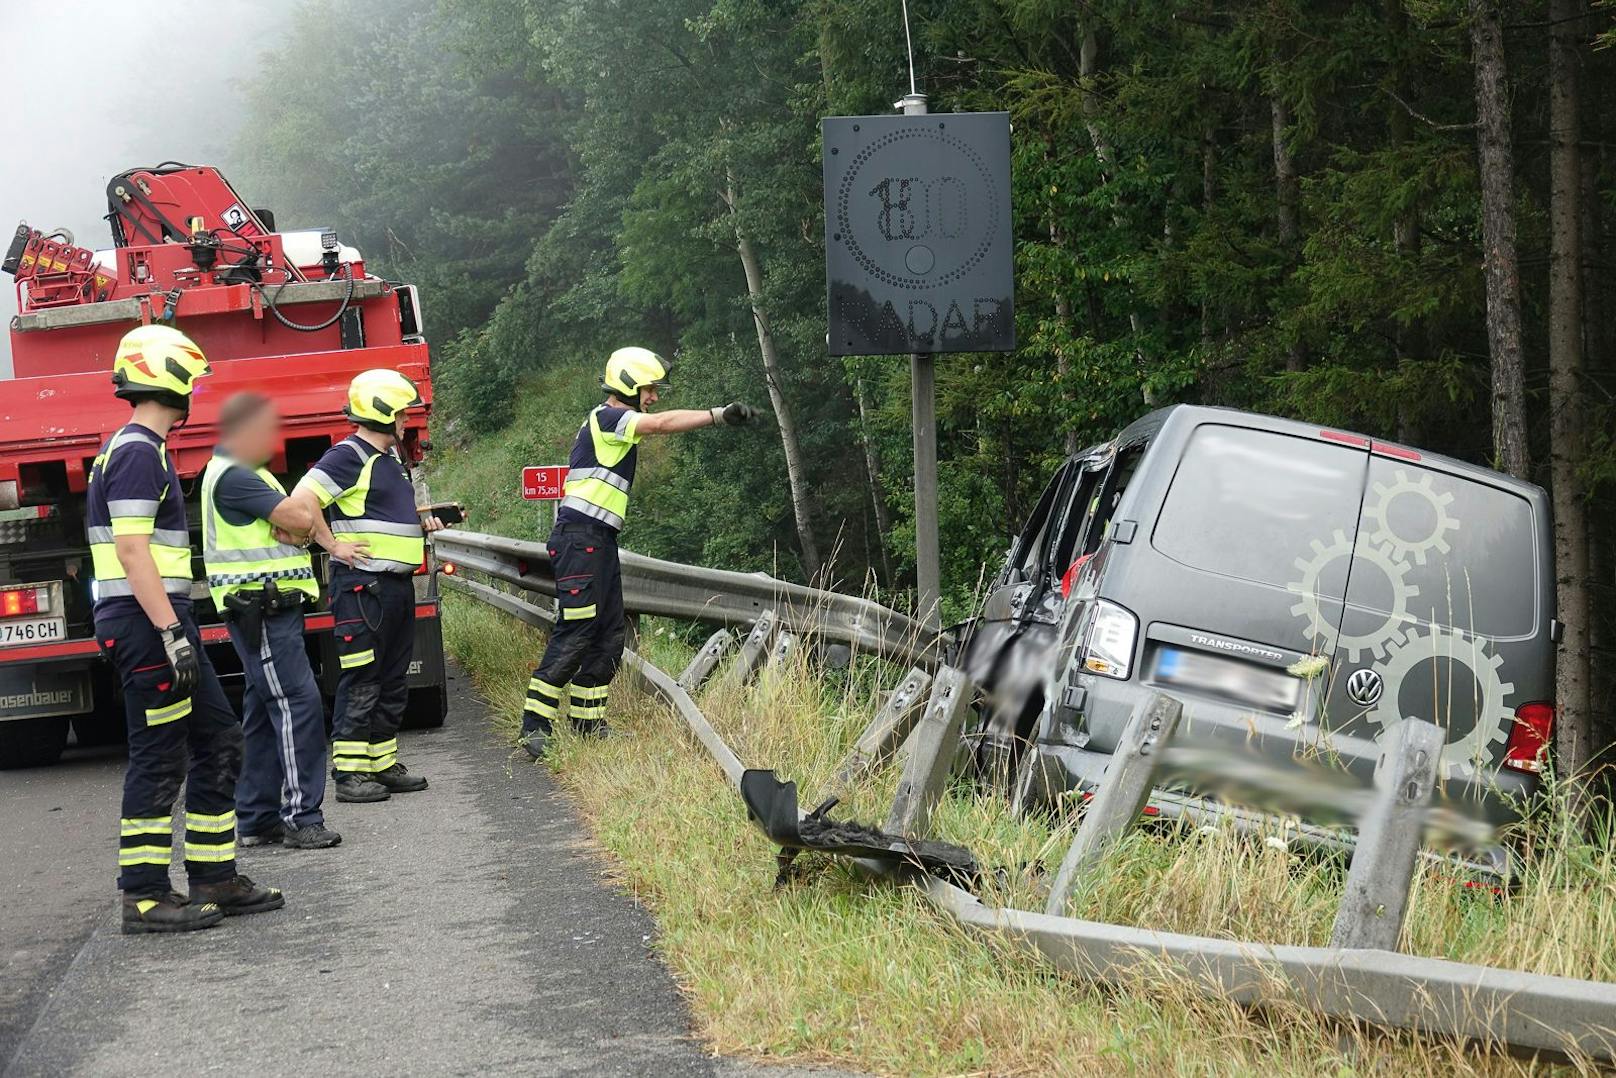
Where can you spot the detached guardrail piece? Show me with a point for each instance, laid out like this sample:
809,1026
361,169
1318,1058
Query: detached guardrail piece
654,586
754,649
704,661
1122,795
930,753
897,717
1376,895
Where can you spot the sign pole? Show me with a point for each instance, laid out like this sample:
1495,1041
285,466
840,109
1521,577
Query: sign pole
923,417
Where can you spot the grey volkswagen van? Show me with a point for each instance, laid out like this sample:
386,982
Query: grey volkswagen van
1299,589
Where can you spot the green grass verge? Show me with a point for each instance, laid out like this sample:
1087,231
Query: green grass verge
837,969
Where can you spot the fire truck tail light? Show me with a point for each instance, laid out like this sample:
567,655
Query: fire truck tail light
16,602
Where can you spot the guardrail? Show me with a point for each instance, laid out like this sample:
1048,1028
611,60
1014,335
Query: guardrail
1376,985
670,589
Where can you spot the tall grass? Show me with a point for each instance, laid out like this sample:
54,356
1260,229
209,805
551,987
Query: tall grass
837,969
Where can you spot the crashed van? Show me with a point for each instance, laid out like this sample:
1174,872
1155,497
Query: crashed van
1299,589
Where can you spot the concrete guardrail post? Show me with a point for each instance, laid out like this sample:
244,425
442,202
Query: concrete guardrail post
881,738
930,754
704,661
1123,792
1376,895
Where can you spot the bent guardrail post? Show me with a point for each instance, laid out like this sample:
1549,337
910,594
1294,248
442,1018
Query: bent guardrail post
1123,792
784,645
704,661
1376,895
930,754
755,648
881,738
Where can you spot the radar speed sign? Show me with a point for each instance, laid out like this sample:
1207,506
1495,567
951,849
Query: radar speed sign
918,254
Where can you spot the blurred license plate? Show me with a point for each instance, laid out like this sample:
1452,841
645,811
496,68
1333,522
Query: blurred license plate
31,630
1230,679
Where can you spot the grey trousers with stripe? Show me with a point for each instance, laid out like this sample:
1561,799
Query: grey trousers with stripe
283,730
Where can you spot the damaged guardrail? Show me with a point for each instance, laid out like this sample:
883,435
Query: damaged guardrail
1369,983
670,589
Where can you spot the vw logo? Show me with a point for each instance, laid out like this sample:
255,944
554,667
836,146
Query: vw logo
1365,687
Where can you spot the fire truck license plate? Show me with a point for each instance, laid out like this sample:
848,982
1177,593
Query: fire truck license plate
31,630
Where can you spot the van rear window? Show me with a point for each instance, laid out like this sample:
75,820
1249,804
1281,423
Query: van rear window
1247,503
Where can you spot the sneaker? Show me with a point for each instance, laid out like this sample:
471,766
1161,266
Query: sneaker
263,838
352,786
238,895
169,912
314,836
398,780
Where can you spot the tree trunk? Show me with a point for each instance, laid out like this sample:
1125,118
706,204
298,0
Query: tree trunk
1496,154
1209,190
1566,427
1063,359
872,468
796,469
1287,200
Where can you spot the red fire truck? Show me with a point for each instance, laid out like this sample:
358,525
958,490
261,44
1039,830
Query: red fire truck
291,314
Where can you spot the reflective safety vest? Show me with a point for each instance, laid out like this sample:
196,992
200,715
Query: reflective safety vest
110,513
377,507
601,470
239,557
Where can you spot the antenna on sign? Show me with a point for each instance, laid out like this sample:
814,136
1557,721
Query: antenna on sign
909,47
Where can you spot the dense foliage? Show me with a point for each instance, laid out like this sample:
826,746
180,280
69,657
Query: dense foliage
1274,204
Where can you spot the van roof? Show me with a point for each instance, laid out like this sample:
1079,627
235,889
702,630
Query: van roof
1194,414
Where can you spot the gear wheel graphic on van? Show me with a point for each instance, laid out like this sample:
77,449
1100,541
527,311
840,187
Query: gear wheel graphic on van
1401,547
1323,631
1493,716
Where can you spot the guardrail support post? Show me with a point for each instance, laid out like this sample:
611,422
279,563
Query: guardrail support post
755,648
702,663
1376,895
930,754
1123,792
784,645
886,731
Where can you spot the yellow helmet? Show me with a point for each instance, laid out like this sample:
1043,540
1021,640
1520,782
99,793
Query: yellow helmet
629,370
379,397
156,360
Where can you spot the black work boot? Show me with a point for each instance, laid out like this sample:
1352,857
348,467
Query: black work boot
314,836
535,739
263,838
398,780
592,728
352,786
167,913
238,895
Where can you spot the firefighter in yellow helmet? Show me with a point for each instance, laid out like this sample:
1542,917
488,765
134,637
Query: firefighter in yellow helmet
365,489
181,727
587,644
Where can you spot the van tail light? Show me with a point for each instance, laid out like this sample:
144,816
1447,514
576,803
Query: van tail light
1529,737
1108,649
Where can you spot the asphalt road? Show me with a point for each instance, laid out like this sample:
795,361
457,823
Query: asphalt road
465,930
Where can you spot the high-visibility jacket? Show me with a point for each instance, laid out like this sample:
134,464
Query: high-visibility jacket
135,490
369,499
239,557
601,468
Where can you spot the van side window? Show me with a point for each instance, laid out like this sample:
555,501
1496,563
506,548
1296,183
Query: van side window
1255,504
1078,510
1027,551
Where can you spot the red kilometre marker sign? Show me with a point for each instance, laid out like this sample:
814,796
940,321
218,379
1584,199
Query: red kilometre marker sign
544,484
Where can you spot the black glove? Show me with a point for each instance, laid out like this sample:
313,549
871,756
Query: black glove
182,657
733,415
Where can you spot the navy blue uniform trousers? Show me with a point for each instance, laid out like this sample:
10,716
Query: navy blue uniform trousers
586,645
173,740
282,727
375,627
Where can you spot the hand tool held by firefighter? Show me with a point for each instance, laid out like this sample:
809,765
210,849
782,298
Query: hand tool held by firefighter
182,659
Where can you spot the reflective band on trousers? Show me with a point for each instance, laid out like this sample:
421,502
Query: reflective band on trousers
356,659
238,557
351,756
157,716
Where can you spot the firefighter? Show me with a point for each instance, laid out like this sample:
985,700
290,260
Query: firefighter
587,644
366,489
181,727
261,578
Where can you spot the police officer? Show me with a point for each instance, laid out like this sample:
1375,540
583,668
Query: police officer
181,727
586,645
261,578
367,491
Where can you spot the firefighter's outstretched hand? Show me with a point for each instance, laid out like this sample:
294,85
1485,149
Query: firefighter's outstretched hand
348,552
181,659
735,415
